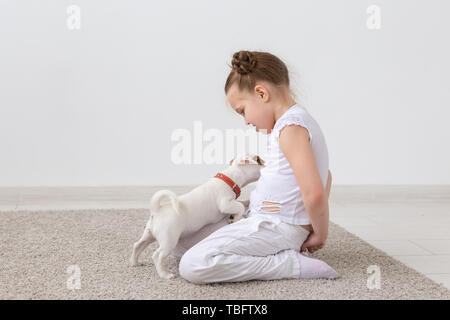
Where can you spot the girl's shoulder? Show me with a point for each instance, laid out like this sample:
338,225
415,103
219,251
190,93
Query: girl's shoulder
296,115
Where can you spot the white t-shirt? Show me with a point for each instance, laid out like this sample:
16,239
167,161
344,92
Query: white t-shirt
277,182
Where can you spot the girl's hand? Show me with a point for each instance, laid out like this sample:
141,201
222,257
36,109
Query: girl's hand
312,243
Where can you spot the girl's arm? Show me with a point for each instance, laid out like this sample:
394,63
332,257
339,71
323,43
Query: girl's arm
328,184
294,143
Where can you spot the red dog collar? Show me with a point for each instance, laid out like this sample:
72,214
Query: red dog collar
230,182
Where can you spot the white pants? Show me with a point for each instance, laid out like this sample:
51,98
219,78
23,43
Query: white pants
258,247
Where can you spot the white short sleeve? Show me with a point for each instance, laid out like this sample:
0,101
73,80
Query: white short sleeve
295,121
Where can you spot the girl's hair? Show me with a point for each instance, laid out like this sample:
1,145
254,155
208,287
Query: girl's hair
248,67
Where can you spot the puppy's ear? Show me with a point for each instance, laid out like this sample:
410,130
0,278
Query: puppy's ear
259,160
231,161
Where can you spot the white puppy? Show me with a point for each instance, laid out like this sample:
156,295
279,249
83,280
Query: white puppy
188,213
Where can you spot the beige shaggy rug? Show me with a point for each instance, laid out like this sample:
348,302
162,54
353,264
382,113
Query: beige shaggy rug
38,248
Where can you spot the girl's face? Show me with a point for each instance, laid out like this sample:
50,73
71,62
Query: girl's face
253,107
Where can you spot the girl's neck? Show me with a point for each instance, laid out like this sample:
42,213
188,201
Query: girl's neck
281,107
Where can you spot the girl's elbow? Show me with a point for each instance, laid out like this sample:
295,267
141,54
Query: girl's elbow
315,199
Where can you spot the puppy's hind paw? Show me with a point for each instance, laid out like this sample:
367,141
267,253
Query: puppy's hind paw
134,263
167,275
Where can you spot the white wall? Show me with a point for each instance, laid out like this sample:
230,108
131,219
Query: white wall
97,106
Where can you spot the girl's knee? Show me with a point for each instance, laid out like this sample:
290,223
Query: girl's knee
190,268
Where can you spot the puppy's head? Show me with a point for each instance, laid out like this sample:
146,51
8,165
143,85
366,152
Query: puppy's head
250,166
247,159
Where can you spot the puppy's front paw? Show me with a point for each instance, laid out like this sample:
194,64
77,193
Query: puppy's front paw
246,203
234,218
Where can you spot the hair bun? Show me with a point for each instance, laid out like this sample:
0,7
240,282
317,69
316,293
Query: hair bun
243,62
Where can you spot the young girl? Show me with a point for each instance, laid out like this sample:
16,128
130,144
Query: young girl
288,210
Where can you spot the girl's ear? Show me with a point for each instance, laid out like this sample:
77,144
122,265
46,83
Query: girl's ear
261,92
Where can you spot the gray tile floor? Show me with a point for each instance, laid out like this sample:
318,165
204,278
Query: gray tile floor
417,234
410,223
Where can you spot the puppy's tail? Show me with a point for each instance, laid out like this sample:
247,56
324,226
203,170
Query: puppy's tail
155,205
